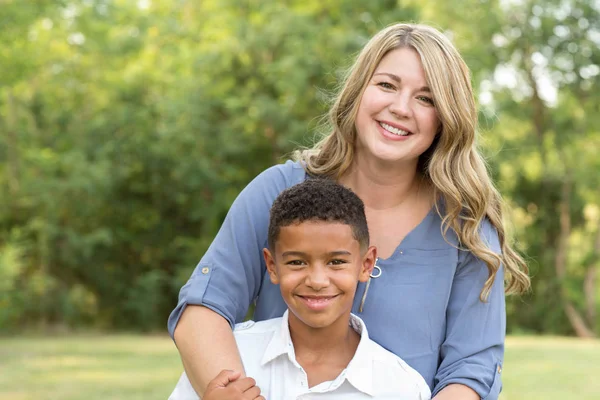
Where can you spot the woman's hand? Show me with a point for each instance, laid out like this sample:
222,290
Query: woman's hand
229,385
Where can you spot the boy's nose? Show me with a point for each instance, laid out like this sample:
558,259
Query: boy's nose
317,278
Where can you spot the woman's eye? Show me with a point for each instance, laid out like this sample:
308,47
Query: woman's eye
426,99
295,262
386,85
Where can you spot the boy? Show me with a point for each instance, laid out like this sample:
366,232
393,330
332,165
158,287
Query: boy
318,250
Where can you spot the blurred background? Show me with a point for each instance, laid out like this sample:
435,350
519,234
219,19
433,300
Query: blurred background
127,128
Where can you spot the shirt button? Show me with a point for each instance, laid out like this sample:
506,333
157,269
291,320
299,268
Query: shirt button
401,252
205,270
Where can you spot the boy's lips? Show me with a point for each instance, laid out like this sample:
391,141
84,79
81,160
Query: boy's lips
316,303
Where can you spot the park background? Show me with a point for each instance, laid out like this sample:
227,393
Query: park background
127,128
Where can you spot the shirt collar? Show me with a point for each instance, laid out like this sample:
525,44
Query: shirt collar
280,343
359,371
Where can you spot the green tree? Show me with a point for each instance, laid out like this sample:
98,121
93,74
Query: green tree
547,141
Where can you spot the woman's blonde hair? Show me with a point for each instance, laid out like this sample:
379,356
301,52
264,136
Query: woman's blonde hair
453,163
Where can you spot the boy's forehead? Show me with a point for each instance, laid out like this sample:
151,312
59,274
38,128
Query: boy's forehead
318,224
317,234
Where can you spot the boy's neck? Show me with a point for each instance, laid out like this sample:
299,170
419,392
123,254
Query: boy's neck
323,352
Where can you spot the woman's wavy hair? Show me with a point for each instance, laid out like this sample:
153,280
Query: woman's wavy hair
453,163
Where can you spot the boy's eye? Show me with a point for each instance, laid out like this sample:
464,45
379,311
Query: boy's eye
295,262
338,262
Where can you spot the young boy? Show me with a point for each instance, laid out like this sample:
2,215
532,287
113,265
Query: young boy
318,251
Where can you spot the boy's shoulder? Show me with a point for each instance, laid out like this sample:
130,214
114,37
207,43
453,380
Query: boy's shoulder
390,373
380,355
253,341
257,328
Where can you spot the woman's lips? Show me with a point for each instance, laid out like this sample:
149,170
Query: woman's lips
392,136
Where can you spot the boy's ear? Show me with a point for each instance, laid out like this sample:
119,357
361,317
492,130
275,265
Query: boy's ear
368,262
271,268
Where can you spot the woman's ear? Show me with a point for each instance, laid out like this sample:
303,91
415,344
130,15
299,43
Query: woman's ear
271,267
368,263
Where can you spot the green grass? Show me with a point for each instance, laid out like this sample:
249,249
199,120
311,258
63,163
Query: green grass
147,367
88,368
537,368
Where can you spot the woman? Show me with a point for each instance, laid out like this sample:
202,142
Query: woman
402,137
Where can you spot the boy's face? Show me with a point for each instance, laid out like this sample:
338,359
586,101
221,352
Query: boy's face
317,266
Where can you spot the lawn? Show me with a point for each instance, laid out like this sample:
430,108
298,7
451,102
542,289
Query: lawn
146,367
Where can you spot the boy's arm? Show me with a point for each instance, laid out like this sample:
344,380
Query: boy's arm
206,344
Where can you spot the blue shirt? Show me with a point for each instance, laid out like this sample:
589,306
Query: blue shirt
424,307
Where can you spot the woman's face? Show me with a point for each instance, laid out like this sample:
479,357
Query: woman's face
397,120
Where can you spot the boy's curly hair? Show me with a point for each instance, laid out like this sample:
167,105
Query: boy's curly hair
319,199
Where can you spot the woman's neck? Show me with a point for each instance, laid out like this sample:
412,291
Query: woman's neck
382,186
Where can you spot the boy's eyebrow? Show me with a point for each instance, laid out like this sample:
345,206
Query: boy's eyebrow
302,254
293,253
397,79
340,253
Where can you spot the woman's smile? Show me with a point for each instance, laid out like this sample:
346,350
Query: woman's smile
397,120
393,133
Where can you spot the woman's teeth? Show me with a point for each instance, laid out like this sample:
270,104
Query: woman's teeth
393,130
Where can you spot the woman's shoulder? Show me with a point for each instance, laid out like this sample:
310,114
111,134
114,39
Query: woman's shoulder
272,181
287,174
486,228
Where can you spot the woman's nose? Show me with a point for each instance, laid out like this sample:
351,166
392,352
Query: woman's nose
400,106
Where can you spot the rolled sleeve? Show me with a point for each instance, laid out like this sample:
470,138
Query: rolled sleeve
473,351
228,277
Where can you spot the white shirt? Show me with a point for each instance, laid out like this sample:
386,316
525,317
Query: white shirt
268,356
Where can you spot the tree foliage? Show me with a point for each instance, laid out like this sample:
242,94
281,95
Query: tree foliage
128,128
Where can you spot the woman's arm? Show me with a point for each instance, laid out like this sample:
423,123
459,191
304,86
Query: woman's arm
227,279
473,350
456,391
206,345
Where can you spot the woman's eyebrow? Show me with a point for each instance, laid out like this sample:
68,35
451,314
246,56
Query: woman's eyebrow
397,79
391,76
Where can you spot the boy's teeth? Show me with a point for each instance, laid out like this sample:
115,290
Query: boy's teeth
393,130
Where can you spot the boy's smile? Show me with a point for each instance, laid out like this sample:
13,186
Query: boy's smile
317,265
316,303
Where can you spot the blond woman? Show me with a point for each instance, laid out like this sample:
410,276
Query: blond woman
403,137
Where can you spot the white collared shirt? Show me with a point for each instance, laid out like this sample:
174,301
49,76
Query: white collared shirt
268,356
